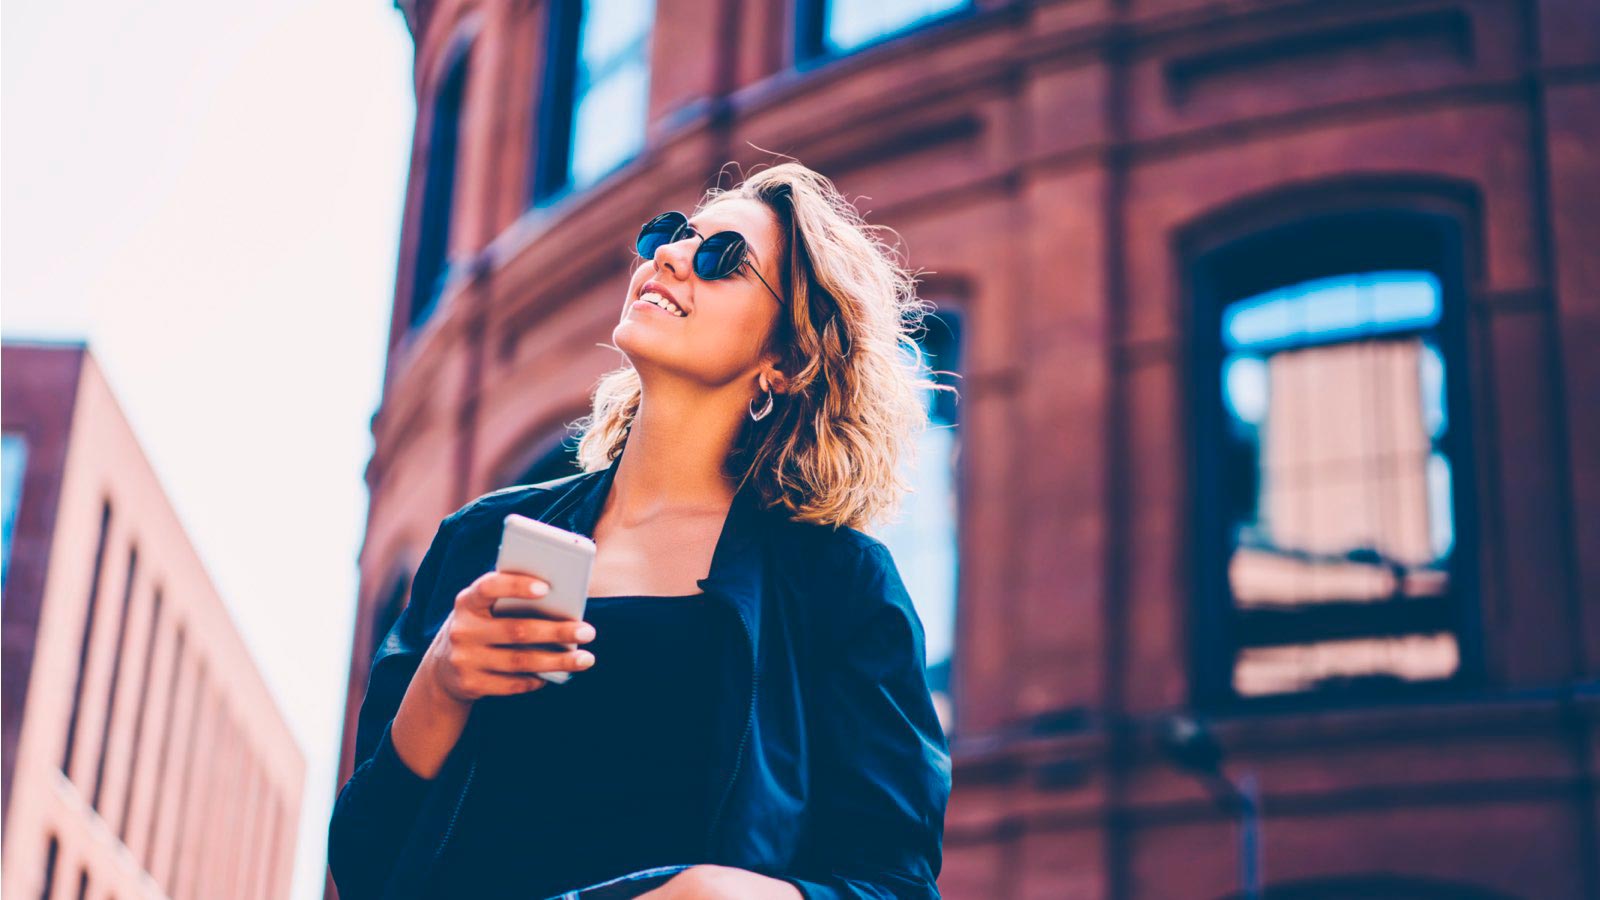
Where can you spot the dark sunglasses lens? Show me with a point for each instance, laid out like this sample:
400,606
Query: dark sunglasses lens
719,255
657,233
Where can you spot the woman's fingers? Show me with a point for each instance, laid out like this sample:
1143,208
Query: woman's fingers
486,684
481,594
517,661
504,630
481,654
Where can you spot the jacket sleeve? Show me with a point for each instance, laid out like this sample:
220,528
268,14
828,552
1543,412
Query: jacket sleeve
378,805
882,760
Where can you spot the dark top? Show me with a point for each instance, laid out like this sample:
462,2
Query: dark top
604,775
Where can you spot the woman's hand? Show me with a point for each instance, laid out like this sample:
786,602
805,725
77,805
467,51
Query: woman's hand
722,883
477,654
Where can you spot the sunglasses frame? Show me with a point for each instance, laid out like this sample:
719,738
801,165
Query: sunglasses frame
675,235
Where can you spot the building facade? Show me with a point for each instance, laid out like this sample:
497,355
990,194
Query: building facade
1277,453
144,756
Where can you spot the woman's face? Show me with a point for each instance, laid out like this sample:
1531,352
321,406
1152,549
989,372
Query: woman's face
727,321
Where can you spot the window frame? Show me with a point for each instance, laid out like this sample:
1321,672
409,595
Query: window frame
441,172
1271,245
955,322
15,485
550,173
811,49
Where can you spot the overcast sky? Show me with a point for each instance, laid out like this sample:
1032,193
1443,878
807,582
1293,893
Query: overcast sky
209,194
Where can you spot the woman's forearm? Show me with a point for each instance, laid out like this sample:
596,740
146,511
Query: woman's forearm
428,724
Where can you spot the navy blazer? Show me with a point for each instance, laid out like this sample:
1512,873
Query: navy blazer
831,769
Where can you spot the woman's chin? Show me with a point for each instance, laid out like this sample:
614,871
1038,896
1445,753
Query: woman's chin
638,339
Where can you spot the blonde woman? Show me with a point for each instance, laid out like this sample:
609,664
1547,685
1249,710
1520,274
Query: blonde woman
748,715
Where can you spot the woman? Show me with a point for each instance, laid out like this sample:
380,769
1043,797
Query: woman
748,715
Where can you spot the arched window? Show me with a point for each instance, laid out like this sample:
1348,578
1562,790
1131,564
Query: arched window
595,96
1332,473
829,28
925,539
433,236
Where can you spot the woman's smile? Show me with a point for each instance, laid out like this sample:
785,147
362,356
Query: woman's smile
648,302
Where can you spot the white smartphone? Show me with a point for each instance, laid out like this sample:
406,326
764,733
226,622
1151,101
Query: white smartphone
561,558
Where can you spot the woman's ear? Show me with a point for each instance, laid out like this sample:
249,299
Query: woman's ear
774,379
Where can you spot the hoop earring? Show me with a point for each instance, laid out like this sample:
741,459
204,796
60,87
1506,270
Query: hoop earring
758,416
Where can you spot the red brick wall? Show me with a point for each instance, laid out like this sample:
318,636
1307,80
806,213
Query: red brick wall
1045,161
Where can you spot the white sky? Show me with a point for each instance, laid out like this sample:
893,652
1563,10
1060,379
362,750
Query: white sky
210,193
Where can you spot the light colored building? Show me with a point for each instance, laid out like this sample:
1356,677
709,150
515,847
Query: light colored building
144,756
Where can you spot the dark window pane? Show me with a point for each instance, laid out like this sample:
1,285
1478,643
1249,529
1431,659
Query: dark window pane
50,860
89,619
851,24
924,539
143,711
611,93
1337,486
13,462
433,241
112,693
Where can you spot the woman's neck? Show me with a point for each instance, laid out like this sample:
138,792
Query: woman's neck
674,459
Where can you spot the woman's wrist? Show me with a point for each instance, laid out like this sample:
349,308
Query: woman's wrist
439,701
428,723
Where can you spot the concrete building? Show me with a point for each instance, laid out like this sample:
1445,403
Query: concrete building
143,755
1280,400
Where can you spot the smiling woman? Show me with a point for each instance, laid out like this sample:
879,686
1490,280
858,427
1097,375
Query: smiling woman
838,352
749,715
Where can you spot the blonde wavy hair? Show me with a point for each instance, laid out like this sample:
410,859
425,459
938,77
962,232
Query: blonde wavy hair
831,451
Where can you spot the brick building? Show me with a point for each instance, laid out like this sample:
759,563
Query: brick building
1280,394
143,755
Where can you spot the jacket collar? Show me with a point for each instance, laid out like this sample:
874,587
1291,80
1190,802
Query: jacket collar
736,563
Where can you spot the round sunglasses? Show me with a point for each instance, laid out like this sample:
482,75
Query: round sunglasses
718,256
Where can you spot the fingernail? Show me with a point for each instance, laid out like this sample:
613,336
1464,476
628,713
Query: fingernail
538,587
585,632
585,659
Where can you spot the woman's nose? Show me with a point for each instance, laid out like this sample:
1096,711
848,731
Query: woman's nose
676,257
